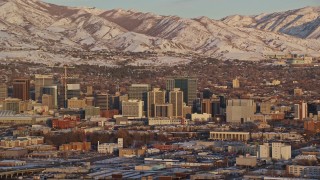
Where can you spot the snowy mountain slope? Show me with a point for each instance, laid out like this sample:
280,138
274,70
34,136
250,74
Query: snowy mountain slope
32,24
302,23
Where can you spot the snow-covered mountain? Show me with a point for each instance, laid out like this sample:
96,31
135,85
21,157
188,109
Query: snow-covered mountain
32,24
303,23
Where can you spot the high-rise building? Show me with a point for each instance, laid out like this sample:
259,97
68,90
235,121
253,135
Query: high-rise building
281,151
206,106
51,90
21,88
216,107
301,110
41,81
235,83
3,91
186,84
73,91
176,99
240,110
132,108
163,110
156,96
114,102
102,101
139,92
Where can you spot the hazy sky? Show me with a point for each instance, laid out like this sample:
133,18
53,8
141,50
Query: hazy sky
194,8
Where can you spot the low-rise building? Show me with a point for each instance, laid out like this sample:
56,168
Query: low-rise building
200,117
128,152
239,136
12,163
76,146
163,121
109,148
304,171
13,153
249,161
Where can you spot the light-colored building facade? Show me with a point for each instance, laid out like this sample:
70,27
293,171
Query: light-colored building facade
264,151
75,103
176,99
250,161
281,151
200,117
238,136
163,121
156,96
304,171
163,110
240,110
132,108
235,83
3,91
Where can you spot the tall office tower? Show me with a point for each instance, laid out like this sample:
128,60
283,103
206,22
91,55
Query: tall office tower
3,91
186,84
69,88
139,92
235,83
114,102
73,90
301,110
163,110
51,90
41,81
240,110
207,93
223,104
21,88
47,100
206,106
102,101
156,96
216,107
176,99
132,108
89,91
196,108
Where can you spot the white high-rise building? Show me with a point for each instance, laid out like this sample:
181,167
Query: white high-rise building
281,151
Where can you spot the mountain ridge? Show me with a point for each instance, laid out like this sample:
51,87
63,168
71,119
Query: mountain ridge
36,24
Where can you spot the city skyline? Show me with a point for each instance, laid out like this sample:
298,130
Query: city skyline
215,9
